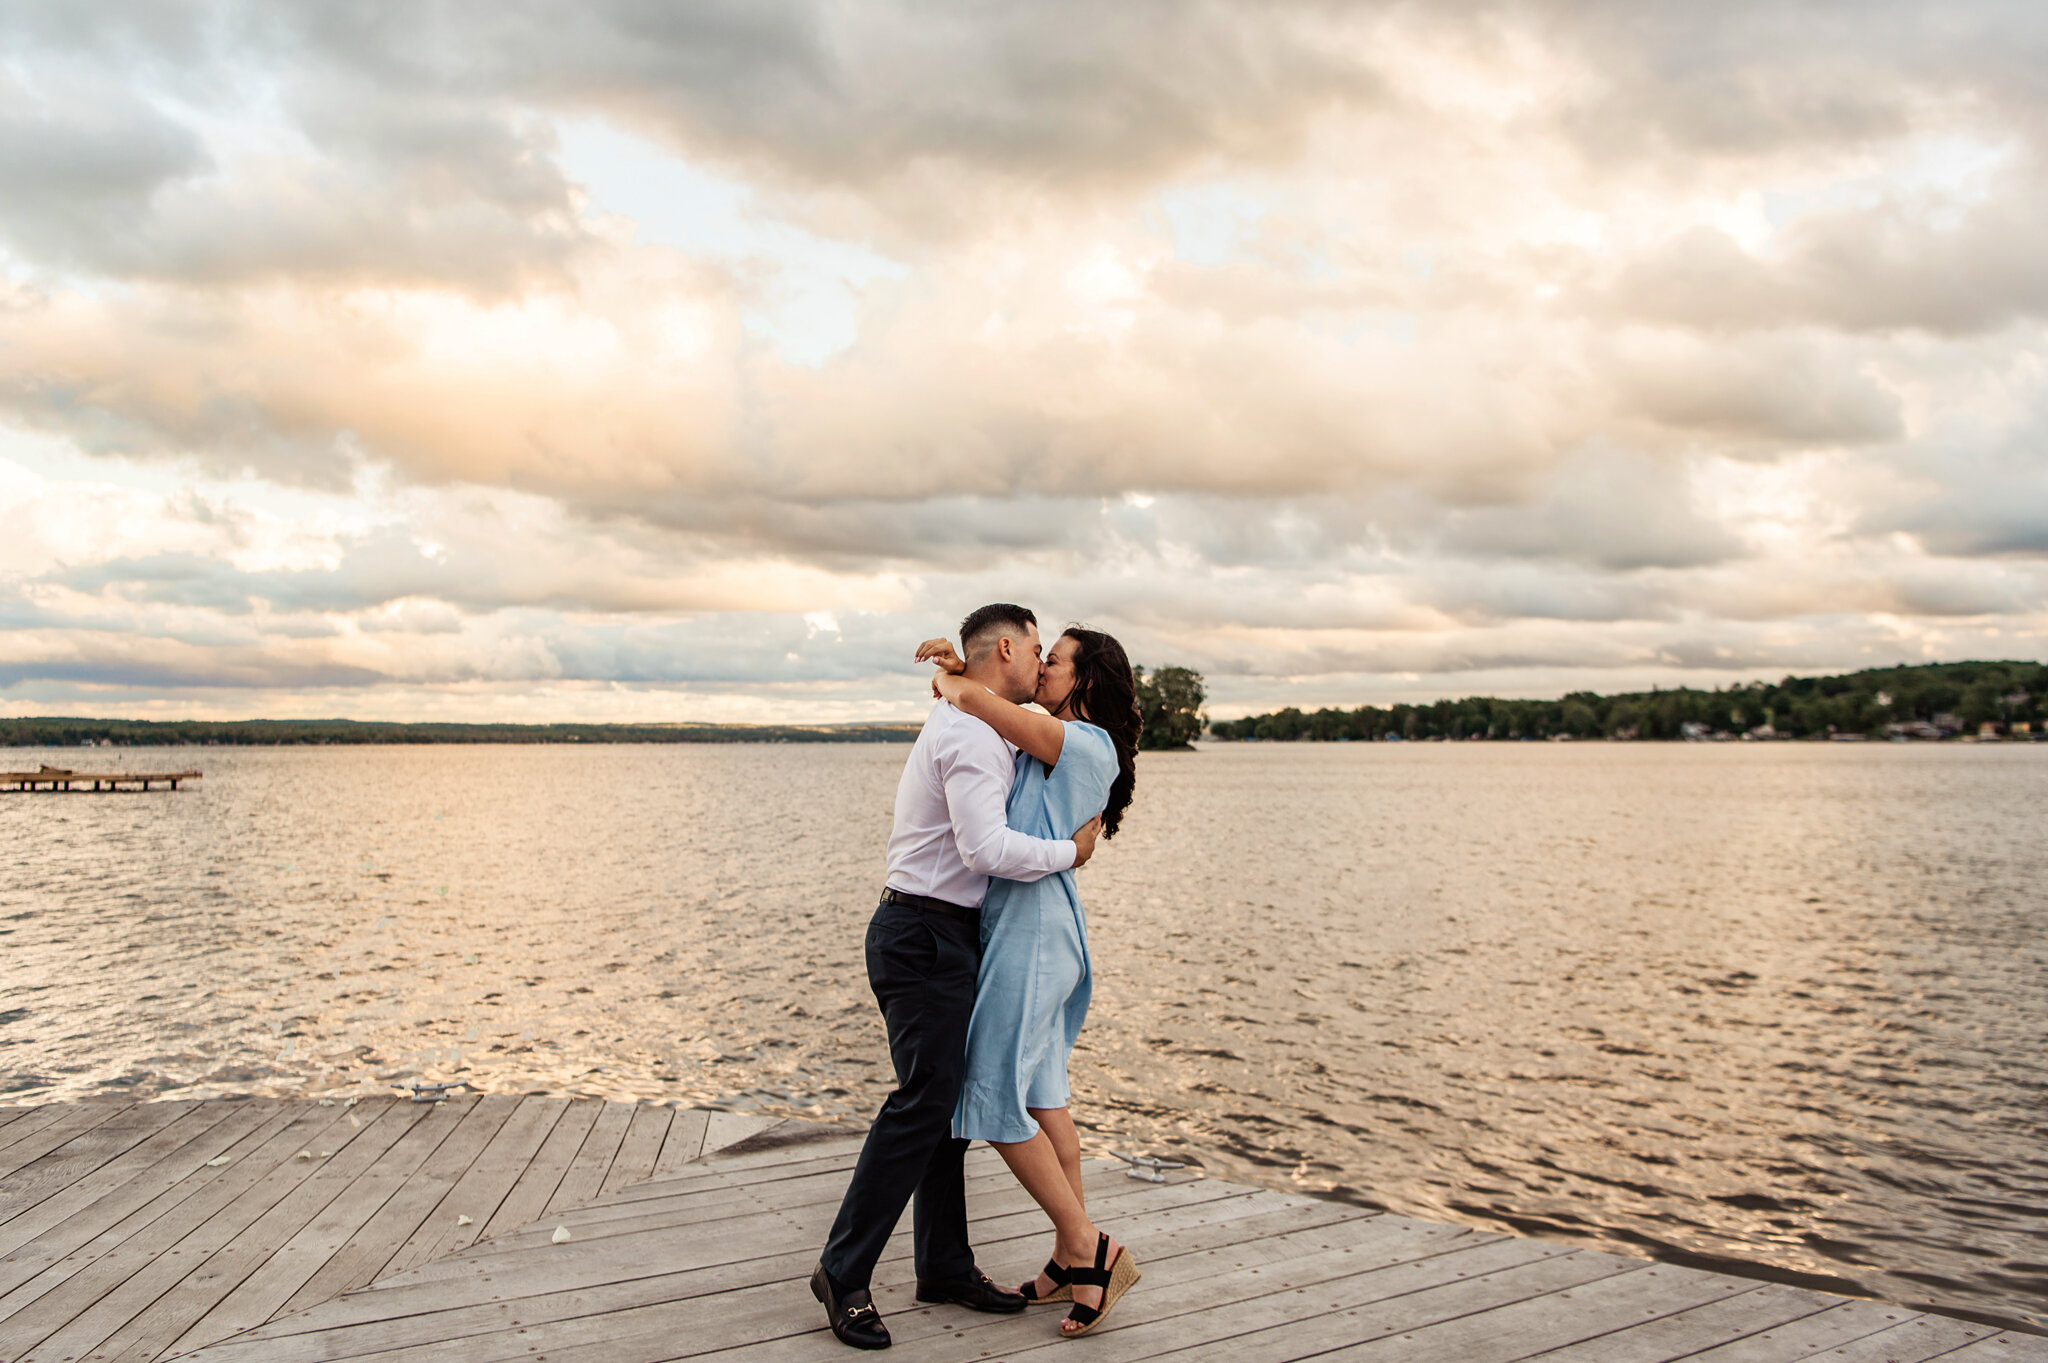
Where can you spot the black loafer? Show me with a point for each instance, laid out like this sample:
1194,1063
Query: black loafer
851,1314
976,1294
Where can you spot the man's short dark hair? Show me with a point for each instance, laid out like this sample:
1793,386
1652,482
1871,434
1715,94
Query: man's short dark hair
979,631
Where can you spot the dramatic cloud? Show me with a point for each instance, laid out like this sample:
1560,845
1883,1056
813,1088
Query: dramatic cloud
627,360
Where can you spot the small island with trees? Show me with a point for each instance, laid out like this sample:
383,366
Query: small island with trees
1170,702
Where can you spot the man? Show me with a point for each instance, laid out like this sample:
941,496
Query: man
923,950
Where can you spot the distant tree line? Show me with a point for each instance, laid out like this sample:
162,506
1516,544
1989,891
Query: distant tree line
66,733
1169,698
1935,699
1931,700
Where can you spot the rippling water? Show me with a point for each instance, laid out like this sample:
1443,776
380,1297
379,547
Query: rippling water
1783,1005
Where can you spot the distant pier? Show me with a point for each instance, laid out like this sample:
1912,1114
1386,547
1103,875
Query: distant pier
63,779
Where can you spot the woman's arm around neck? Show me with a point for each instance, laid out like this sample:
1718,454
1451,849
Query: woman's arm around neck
1038,734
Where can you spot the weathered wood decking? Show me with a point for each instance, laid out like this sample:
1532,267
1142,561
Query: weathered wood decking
123,1240
63,780
140,1230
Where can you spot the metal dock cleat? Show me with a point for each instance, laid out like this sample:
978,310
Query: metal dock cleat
1147,1169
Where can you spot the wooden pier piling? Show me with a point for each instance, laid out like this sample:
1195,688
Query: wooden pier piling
64,780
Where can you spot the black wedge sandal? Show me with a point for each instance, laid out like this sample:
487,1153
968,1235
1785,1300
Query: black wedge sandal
1062,1285
1114,1280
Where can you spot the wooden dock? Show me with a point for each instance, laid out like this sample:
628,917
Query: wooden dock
497,1229
65,780
144,1230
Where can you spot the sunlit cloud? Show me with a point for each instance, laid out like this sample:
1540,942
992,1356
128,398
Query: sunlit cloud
629,362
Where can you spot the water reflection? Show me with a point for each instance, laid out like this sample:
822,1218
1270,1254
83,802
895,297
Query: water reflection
1780,1005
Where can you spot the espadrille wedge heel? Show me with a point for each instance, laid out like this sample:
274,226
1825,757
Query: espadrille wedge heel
1114,1278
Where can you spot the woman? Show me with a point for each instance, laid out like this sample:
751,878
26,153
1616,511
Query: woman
1032,993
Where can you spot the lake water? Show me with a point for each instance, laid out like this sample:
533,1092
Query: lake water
1783,1005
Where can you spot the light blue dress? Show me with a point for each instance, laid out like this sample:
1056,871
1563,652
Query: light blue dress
1032,994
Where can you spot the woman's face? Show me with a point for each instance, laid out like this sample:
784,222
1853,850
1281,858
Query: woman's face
1056,680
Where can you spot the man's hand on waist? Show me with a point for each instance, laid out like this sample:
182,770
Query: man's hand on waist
1084,841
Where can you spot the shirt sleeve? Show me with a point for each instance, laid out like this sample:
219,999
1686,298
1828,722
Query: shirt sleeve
976,778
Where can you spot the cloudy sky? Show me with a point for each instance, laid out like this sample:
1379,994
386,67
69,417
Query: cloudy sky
622,359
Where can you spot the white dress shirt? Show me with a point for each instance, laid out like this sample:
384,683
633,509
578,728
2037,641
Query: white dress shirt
952,827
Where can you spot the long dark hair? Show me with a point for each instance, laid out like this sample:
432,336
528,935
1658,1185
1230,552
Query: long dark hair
1107,692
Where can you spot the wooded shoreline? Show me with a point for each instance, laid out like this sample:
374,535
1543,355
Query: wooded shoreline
1973,700
65,732
1928,701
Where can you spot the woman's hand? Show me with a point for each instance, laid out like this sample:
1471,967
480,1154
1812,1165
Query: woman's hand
949,688
940,651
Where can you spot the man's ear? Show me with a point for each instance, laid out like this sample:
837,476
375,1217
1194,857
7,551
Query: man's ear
1006,648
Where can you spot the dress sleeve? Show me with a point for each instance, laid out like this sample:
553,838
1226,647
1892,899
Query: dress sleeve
1094,767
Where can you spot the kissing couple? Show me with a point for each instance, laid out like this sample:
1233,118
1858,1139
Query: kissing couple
978,956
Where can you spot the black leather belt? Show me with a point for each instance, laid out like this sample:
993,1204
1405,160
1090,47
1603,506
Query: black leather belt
926,904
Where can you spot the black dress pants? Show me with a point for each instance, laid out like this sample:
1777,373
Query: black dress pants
922,968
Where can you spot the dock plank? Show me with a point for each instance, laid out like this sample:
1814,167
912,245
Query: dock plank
685,1140
453,1132
57,1169
78,1316
121,1219
356,1261
73,1122
571,1306
120,1239
639,1148
28,1119
483,1185
515,1272
1911,1341
1758,1308
540,1268
1840,1325
819,1193
730,1128
585,1176
793,1161
1197,1314
221,1254
543,1174
1394,1303
771,1319
29,1215
992,1210
249,1280
1208,1296
2003,1347
273,1287
778,1322
1600,1307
